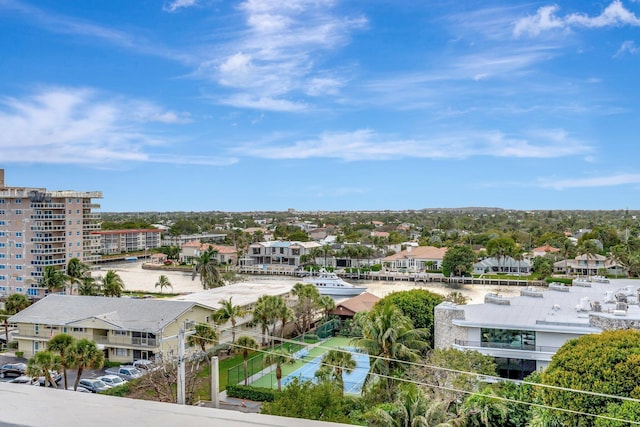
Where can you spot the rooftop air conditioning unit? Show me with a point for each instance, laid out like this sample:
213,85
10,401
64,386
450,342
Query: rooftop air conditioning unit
597,307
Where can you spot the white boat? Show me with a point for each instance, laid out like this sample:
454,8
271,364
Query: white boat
330,284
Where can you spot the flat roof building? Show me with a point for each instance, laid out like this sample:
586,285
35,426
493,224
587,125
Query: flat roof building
40,228
522,333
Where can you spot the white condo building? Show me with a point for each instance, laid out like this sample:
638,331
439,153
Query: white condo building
38,228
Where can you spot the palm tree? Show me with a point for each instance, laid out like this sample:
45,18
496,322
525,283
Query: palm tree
88,287
388,336
42,363
13,304
485,409
84,353
205,266
204,334
231,313
246,343
53,278
566,246
338,361
163,282
76,272
266,313
326,303
112,284
285,314
278,357
61,344
589,249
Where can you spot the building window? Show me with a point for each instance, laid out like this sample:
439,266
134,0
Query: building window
121,352
32,292
1,201
18,256
18,245
18,201
18,267
19,211
2,289
1,222
18,233
3,278
77,329
1,212
19,279
120,333
508,338
2,255
19,290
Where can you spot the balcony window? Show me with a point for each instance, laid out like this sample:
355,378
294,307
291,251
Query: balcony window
508,338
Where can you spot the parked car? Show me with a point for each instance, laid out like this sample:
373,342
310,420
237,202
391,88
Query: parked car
55,376
112,380
80,389
144,365
24,379
13,370
125,372
94,385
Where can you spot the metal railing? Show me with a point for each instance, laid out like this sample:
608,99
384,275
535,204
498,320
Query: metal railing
517,346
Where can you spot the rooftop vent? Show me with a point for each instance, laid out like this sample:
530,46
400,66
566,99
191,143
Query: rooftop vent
622,306
496,299
555,286
530,292
596,306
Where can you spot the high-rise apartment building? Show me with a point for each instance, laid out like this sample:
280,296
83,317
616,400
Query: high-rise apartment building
39,228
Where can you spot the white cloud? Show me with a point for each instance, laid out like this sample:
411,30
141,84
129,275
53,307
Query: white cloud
545,19
364,144
627,46
71,125
243,100
275,59
602,181
178,4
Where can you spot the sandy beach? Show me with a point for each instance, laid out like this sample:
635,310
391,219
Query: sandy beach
137,279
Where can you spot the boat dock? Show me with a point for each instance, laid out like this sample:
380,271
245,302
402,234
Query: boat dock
390,276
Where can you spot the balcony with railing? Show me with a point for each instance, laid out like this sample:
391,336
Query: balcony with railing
48,239
48,216
128,342
518,346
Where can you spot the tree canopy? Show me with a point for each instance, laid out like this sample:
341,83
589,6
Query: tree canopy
417,304
606,363
458,260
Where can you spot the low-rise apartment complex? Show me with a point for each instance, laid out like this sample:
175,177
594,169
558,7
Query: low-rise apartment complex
40,228
123,241
126,329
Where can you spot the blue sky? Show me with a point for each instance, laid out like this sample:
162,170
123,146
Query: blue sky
198,105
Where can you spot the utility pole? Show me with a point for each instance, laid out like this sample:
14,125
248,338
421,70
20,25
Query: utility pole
181,373
214,382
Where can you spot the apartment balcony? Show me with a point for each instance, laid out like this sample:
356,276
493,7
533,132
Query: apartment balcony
48,205
131,342
91,216
48,228
60,261
48,216
87,227
49,251
48,239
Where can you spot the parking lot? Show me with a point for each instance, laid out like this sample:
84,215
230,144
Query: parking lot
71,373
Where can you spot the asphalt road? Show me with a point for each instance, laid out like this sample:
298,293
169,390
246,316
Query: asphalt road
71,373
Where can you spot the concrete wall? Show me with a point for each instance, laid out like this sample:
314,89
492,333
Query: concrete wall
445,332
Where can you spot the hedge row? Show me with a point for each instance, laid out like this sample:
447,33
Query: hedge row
257,394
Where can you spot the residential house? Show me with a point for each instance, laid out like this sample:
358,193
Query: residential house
523,333
350,307
169,240
415,258
544,250
191,251
126,329
589,265
503,265
278,253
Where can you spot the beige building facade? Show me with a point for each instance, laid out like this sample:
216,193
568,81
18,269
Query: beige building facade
40,228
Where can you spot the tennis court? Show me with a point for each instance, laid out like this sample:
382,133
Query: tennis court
307,364
353,380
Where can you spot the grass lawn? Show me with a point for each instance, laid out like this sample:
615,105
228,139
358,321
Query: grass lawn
269,380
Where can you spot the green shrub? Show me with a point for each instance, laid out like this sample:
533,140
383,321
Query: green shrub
19,354
376,267
257,394
120,391
564,280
